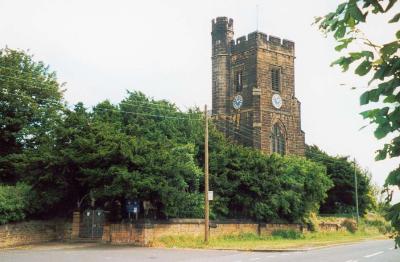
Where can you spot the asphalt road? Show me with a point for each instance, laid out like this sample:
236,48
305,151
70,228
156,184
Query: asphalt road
379,250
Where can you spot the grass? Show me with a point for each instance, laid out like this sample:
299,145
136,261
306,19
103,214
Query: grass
279,240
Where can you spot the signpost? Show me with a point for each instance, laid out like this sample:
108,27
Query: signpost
210,195
132,206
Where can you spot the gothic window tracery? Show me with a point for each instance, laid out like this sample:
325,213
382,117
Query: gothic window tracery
278,140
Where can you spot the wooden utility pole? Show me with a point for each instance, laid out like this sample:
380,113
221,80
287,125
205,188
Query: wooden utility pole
356,189
206,204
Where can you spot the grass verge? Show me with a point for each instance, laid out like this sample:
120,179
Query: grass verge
276,241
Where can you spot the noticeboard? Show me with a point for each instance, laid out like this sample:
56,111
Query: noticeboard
132,206
210,195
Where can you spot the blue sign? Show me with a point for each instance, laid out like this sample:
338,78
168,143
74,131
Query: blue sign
132,206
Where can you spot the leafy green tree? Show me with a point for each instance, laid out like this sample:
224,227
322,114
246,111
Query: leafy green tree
30,104
117,154
381,63
142,149
14,202
341,197
249,184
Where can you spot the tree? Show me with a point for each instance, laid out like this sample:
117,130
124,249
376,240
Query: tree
341,197
380,62
139,149
30,104
249,184
116,153
14,202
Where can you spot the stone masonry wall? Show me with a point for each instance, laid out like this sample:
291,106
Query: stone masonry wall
254,56
33,232
289,115
147,234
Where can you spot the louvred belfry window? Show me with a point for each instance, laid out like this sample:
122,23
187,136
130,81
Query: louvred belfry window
276,79
239,81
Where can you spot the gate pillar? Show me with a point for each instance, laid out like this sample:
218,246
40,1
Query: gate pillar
76,221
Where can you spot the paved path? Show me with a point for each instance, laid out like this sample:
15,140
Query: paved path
369,251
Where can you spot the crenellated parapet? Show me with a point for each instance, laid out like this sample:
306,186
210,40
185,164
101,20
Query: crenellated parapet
262,40
222,23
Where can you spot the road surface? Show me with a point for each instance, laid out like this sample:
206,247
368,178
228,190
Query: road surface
369,251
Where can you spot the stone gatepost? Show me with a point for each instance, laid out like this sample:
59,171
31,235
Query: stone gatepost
76,221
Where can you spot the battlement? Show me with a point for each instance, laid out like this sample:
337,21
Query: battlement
222,23
259,39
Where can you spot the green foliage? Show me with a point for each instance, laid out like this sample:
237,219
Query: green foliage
287,234
249,184
14,202
383,226
341,197
115,155
350,225
30,102
380,62
139,149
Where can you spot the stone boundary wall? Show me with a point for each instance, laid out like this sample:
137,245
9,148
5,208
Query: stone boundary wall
33,232
329,227
146,233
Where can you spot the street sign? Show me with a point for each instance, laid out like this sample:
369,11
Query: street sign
210,195
132,206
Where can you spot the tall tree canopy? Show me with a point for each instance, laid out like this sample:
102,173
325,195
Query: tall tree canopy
30,104
381,63
341,197
60,157
30,110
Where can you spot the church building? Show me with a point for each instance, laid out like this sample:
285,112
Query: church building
253,90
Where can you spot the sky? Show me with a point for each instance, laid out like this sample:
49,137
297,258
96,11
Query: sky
100,49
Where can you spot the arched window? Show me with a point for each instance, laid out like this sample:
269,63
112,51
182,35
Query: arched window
278,140
239,81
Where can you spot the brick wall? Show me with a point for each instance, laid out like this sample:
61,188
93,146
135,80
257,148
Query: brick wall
147,233
32,232
267,229
329,227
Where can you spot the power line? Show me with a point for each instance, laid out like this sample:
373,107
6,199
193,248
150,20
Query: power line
21,72
229,130
119,110
161,116
243,136
44,85
242,126
135,103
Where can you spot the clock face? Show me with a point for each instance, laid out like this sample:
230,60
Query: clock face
237,102
277,101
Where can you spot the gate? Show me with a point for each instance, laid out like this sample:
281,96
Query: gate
92,224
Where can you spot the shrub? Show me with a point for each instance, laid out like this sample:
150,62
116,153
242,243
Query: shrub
287,234
350,225
383,226
312,222
14,202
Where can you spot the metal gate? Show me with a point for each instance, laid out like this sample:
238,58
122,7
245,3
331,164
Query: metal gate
92,224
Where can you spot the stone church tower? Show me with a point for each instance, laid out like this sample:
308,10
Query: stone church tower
253,93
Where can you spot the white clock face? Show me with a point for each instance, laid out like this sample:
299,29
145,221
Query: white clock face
237,102
277,101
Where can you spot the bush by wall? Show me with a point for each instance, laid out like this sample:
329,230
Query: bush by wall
14,202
